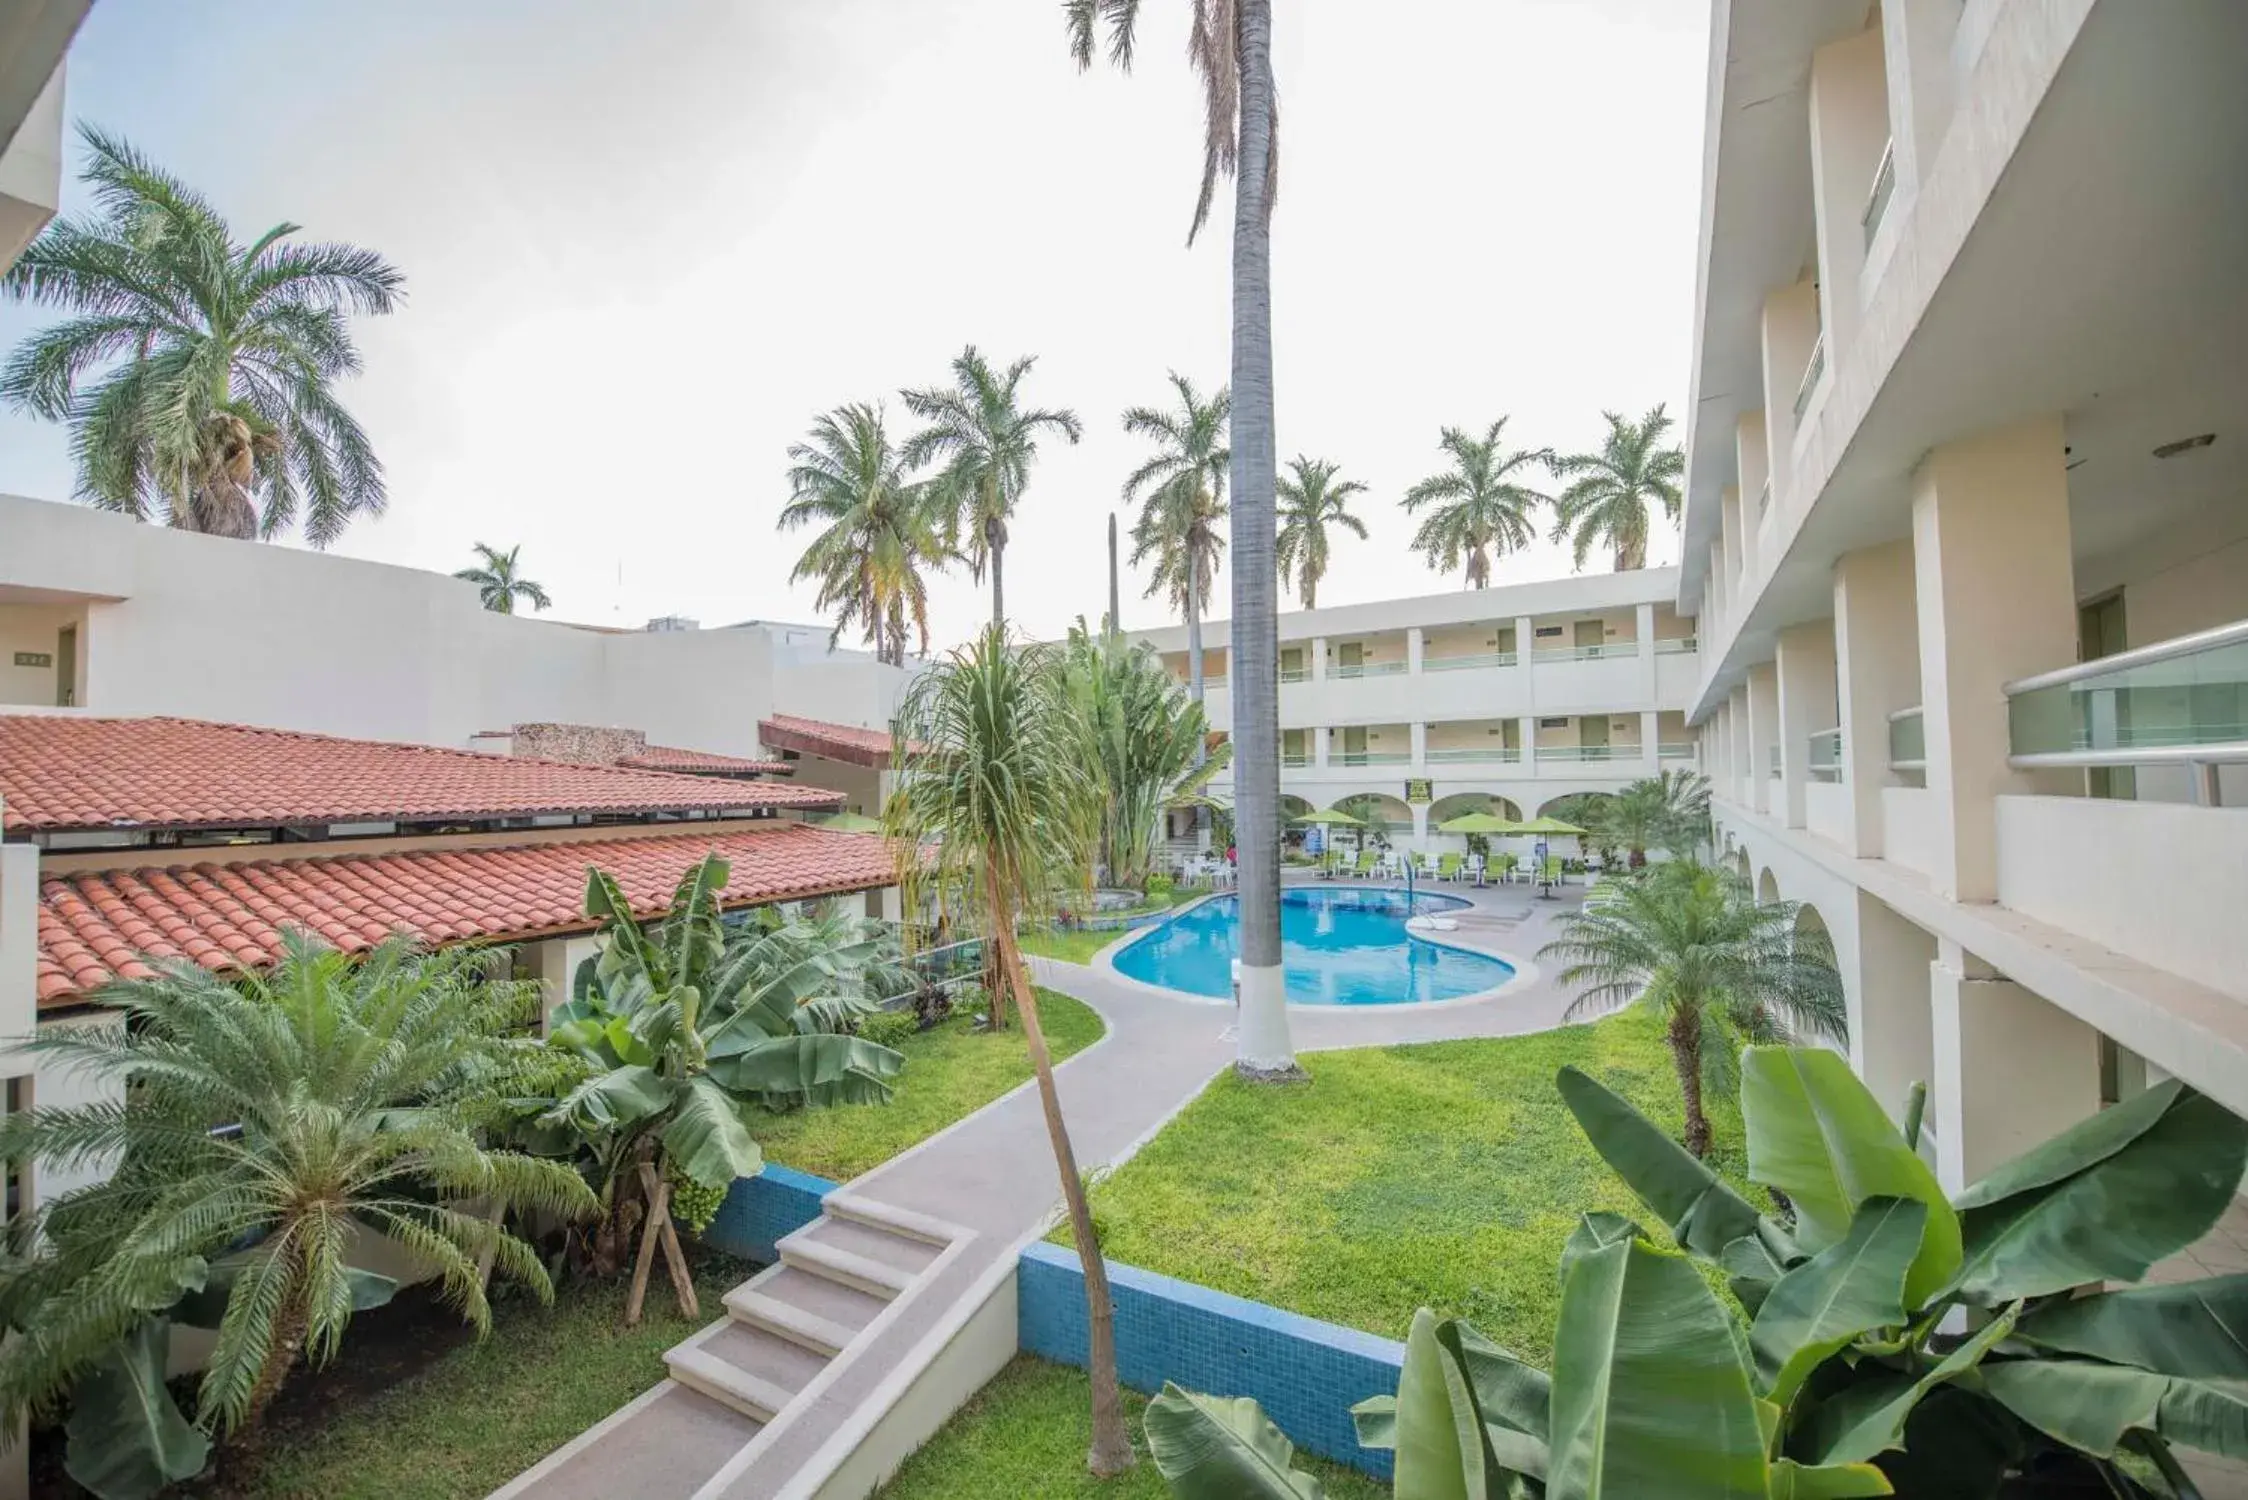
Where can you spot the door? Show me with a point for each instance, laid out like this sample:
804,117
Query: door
2099,632
66,667
1591,633
1593,735
1292,664
1351,655
1354,746
1292,751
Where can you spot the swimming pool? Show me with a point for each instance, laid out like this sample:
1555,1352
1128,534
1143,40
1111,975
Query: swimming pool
1339,945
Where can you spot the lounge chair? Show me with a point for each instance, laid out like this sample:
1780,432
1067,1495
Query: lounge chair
1553,870
1448,866
1503,866
1420,864
1365,865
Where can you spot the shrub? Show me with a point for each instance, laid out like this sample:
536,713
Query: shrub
889,1028
1160,884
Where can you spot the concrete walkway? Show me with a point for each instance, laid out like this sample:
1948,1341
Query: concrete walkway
993,1173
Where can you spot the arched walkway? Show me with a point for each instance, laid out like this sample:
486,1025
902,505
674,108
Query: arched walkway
1380,812
1741,865
1292,808
1460,804
1768,889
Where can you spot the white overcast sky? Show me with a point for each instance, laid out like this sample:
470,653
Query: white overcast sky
645,244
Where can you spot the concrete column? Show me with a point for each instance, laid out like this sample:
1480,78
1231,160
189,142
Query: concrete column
1849,128
1413,650
1763,734
1717,594
19,946
1742,755
1643,621
1419,739
1740,548
1752,456
1995,594
1319,670
1529,732
1916,37
1650,740
1319,747
1886,987
1877,666
2010,1068
1791,327
1807,700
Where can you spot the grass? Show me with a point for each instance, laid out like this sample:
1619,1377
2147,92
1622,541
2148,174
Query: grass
1078,945
951,1071
1024,1436
1446,1175
477,1415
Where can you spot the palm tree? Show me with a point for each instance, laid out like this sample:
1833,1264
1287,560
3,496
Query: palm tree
198,374
988,443
1230,48
1608,501
1311,500
995,813
1482,508
499,583
1722,969
1181,495
1146,742
879,529
266,1124
1668,811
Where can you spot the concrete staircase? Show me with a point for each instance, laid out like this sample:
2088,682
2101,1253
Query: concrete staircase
785,1325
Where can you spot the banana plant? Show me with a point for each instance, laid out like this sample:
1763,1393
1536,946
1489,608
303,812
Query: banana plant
1837,1368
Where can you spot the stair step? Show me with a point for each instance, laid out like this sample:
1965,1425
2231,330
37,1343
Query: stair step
846,1266
884,1216
844,1306
896,1251
809,1329
780,1362
723,1383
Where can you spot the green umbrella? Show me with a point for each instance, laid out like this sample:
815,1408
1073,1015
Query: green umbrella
851,822
1550,826
1478,822
1333,818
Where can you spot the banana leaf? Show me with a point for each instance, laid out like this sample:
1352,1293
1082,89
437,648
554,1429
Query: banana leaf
1703,1214
1843,1291
2091,1406
1818,1135
707,1138
2104,1200
1869,1418
1596,1231
693,935
1794,1481
2197,1329
127,1439
822,1069
1215,1448
1512,1400
1441,1454
1650,1396
621,1096
1958,1445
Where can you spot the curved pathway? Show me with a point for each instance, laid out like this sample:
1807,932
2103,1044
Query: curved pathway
993,1173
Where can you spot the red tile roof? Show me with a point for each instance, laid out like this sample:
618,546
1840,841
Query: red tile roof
90,773
98,925
702,762
844,742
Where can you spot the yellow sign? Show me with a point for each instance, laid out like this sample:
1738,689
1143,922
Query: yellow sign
1419,790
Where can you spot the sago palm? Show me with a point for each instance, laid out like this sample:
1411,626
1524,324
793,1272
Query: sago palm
1311,500
264,1129
1229,44
500,582
879,529
995,813
1181,495
1721,969
198,374
1482,505
1611,493
987,442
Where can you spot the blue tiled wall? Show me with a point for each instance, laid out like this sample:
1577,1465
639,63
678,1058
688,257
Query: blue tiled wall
759,1210
1306,1374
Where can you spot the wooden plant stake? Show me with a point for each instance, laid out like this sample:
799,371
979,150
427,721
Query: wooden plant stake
656,1231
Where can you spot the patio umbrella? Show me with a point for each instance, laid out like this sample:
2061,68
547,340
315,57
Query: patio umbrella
1330,816
851,822
1479,822
1549,826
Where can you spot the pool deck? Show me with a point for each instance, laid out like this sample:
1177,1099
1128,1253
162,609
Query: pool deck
994,1174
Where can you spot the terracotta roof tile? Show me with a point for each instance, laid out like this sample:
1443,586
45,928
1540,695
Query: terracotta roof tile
98,925
91,773
702,762
844,742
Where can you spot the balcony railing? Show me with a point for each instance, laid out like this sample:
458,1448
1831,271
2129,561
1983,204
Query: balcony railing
1370,669
1823,761
1565,754
1467,663
1503,754
1884,188
1813,368
1908,742
1295,674
1294,760
2180,702
1584,653
1675,752
1372,758
1684,645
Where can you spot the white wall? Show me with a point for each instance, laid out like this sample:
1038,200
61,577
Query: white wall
32,627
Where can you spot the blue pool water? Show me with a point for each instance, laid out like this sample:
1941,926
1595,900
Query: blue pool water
1339,945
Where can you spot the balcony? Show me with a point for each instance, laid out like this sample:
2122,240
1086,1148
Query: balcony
1481,659
1585,754
1684,645
1675,752
1813,368
1908,743
1370,669
1370,758
1547,654
1823,756
1295,674
2180,703
1506,755
1294,760
1884,188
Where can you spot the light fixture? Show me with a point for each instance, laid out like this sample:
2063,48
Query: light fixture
2185,445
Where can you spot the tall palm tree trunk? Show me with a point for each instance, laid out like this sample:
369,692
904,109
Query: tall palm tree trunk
1263,1048
1112,1441
1195,685
1115,615
1631,556
995,540
1685,1038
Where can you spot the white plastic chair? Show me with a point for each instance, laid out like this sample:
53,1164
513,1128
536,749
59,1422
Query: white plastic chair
1475,868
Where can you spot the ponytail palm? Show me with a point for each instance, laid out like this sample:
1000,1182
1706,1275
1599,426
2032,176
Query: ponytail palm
197,373
1482,507
1611,492
995,814
1722,968
1312,499
262,1131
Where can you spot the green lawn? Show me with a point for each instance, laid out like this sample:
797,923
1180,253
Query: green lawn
951,1071
1078,945
1024,1436
1445,1175
479,1414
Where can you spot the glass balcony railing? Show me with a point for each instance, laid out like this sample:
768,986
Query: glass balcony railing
1884,188
1684,645
1823,761
1370,669
2177,702
1467,663
1585,653
1813,368
1565,754
1502,754
1675,752
1294,760
1372,758
1908,743
1295,674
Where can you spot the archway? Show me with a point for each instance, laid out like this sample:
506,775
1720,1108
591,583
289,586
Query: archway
1292,807
1460,804
1384,815
1292,832
1813,944
1767,888
1741,866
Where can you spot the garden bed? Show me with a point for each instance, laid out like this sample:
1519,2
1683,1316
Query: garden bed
1024,1436
1445,1175
951,1071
